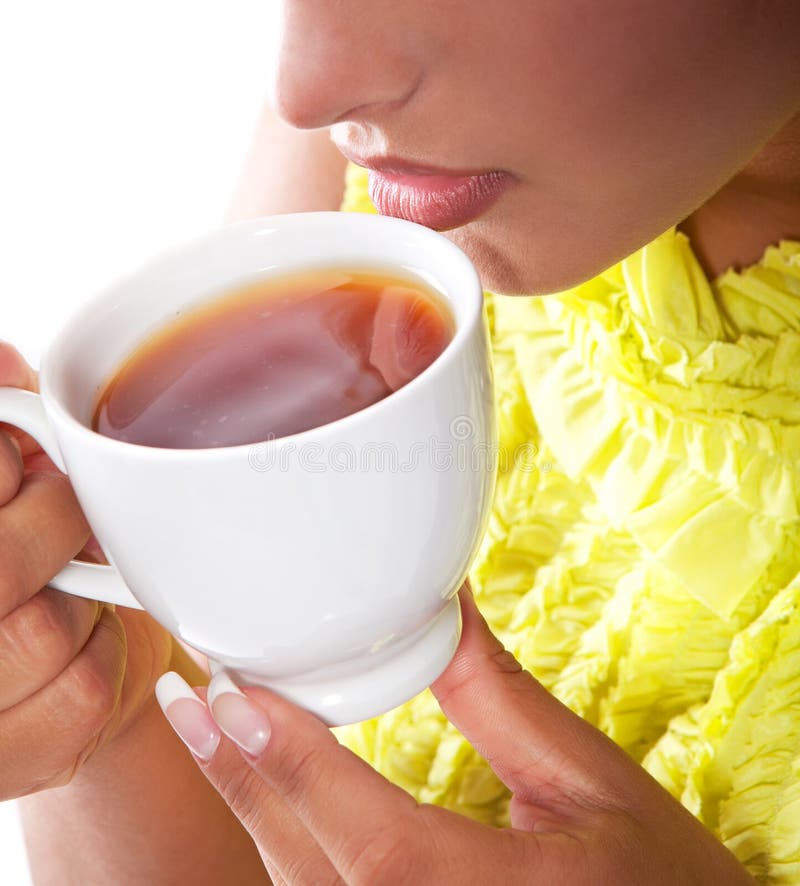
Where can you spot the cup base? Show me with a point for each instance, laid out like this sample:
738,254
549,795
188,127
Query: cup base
362,688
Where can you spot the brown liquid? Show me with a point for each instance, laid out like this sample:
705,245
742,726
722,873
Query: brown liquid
273,358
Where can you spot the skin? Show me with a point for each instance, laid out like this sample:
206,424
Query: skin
77,711
582,813
616,120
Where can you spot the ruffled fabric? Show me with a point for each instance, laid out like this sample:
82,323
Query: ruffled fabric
643,554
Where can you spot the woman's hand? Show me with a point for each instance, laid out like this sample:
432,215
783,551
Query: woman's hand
73,672
582,811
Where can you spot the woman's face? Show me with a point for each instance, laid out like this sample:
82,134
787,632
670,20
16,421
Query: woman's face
557,136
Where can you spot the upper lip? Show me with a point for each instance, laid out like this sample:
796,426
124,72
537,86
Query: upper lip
392,165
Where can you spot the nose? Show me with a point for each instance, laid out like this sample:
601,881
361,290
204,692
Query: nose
341,61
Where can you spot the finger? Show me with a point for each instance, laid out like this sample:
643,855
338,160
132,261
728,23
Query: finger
40,530
363,823
11,467
284,842
39,639
529,738
40,461
287,848
61,724
316,777
16,373
14,369
367,833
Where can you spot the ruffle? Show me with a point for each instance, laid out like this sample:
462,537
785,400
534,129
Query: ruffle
734,761
642,558
660,411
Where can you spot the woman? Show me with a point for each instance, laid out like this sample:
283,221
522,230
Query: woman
645,572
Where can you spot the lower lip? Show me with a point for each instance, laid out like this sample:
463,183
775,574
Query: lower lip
440,202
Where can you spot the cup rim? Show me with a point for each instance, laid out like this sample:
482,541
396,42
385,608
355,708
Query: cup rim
473,315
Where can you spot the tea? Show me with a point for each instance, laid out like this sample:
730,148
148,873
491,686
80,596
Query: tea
273,358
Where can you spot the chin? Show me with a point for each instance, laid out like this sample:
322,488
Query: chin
510,264
497,269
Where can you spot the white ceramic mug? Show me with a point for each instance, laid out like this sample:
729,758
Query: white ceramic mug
323,564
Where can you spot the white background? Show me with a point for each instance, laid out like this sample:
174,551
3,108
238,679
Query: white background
124,125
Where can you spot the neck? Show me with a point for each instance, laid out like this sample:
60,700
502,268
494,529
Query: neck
758,207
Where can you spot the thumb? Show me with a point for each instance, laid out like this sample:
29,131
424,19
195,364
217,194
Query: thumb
15,373
528,737
14,370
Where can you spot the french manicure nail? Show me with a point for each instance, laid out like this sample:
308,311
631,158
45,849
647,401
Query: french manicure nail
237,716
187,715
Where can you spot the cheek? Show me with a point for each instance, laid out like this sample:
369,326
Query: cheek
619,103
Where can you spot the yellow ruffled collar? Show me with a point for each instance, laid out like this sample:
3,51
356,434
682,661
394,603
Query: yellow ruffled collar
678,401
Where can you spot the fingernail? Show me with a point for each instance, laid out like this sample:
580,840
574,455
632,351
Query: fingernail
237,716
187,715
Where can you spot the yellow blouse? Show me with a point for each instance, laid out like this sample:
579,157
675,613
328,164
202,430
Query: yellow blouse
645,564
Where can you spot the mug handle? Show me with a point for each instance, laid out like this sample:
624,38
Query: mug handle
24,410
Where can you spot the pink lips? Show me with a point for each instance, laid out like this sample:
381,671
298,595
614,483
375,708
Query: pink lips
437,198
437,201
